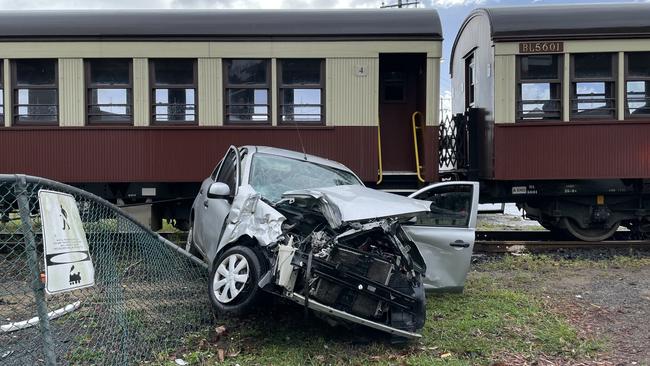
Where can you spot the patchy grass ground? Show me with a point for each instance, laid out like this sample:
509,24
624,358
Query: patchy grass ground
603,295
485,324
515,310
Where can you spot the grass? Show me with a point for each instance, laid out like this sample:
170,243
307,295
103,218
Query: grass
485,324
545,262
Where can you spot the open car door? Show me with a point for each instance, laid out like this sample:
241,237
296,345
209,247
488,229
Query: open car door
445,235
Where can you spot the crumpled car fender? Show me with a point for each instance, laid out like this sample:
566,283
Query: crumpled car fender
250,216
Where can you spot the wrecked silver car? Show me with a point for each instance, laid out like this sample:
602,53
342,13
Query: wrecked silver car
307,229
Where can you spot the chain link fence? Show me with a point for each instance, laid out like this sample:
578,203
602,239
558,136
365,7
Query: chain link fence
148,292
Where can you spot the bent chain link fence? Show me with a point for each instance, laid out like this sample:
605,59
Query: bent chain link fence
148,292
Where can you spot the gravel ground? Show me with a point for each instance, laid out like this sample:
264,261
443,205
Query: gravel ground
603,295
613,304
511,219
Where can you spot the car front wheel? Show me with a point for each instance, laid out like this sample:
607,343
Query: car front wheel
233,281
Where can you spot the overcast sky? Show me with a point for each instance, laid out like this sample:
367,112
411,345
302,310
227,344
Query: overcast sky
452,12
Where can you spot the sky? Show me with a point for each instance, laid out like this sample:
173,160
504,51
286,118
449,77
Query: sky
452,12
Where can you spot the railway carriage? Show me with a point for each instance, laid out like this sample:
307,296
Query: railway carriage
137,106
554,104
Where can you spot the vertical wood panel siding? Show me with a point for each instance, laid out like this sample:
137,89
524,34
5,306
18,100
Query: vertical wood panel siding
504,85
209,85
566,88
274,92
620,87
433,92
72,103
141,107
168,154
219,101
352,100
577,150
7,93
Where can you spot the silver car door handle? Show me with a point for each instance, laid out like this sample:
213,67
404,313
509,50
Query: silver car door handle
459,244
205,203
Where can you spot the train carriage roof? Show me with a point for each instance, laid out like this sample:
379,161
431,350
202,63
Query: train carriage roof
585,21
561,22
222,24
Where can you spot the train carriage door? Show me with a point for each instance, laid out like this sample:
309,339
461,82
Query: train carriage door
402,91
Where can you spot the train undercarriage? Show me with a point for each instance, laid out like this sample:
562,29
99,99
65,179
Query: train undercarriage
588,210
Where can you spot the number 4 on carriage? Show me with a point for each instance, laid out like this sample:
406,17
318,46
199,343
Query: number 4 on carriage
67,260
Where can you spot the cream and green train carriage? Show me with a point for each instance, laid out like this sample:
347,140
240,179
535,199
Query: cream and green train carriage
138,105
559,117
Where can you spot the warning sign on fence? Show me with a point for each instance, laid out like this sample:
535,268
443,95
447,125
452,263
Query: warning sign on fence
67,259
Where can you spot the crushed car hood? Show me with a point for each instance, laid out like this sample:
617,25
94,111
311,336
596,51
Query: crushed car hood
350,203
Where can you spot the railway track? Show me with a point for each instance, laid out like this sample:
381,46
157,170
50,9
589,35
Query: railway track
495,242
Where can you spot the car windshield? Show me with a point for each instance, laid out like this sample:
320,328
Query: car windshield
272,175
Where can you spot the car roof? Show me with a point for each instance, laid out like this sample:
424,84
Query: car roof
298,156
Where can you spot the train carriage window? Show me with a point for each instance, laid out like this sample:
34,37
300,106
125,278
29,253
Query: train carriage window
301,90
174,85
35,92
470,81
247,96
109,91
539,87
593,86
637,84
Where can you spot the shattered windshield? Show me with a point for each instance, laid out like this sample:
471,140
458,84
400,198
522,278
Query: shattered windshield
272,175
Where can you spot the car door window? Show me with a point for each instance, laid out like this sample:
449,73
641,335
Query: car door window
228,172
451,205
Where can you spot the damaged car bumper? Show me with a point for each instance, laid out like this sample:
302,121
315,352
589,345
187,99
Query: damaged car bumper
366,272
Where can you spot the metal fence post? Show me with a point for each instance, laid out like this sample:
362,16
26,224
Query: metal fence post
20,189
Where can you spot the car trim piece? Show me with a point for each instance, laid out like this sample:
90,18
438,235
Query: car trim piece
315,305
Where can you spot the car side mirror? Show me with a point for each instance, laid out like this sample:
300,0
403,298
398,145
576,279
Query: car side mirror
218,190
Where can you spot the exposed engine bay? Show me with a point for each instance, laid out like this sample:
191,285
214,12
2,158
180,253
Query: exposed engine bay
362,272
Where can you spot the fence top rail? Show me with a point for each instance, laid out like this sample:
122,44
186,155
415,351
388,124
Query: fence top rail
16,178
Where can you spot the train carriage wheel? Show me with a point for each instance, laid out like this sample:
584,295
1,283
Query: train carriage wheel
557,232
589,234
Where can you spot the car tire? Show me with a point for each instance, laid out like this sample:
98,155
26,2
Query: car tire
235,291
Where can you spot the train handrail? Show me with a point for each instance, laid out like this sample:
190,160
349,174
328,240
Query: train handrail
418,167
381,170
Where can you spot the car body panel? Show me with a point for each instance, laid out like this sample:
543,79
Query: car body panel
359,203
250,216
210,214
447,266
447,250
